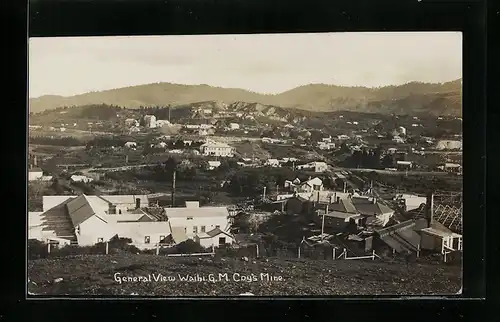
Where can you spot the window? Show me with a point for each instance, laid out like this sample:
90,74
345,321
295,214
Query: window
120,211
195,229
217,226
189,218
147,239
202,229
222,240
100,240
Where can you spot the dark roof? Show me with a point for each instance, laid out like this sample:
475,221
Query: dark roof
366,207
216,231
50,218
344,205
341,215
79,210
401,237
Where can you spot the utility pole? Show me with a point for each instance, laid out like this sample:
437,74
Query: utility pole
323,223
173,188
264,194
169,113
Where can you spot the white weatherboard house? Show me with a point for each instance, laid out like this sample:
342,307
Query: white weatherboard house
310,185
78,178
195,220
316,166
212,165
87,220
217,149
214,237
131,145
150,121
35,174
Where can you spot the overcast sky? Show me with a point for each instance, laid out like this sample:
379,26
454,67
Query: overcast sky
261,63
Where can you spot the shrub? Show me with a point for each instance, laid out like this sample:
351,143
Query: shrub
187,247
37,249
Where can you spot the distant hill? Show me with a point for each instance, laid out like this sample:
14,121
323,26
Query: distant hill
414,97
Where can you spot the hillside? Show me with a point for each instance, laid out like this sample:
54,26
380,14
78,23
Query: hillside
94,275
425,97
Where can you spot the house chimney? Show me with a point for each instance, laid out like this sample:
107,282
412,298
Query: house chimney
137,203
430,209
173,189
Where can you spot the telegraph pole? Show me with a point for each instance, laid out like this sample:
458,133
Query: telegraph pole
264,194
173,189
323,223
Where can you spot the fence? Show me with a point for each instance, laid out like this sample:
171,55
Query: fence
319,251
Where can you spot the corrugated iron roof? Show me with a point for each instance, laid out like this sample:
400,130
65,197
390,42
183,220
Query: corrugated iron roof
79,210
197,212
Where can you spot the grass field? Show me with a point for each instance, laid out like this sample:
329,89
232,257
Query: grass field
94,275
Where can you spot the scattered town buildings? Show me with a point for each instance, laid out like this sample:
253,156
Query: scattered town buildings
212,165
316,166
79,178
449,145
35,174
217,149
272,163
234,126
130,145
131,122
150,121
404,165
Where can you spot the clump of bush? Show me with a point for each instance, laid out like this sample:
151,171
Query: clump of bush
38,249
186,247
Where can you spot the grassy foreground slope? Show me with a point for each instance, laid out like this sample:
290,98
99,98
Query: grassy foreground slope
94,275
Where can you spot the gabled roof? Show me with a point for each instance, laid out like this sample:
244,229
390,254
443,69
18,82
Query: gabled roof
79,210
212,233
344,205
178,234
341,215
197,212
366,206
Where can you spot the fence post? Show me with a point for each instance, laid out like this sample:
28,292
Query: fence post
299,249
107,248
418,250
373,254
213,249
257,249
333,253
345,253
48,247
158,249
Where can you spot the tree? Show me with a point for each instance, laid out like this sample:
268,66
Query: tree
387,161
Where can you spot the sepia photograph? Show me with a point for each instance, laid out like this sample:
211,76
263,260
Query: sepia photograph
266,165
